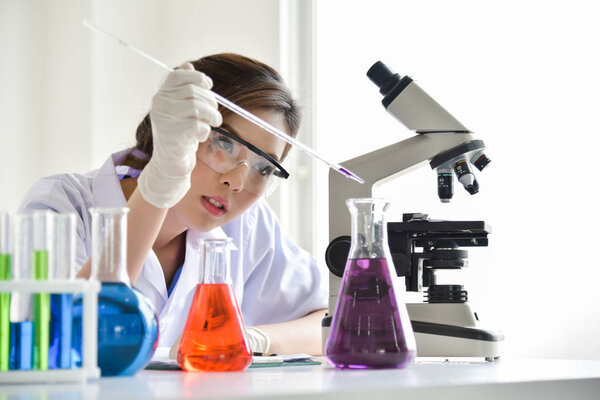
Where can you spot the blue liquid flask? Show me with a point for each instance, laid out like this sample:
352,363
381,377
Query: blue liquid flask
127,330
127,323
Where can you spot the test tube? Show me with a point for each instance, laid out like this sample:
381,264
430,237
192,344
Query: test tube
43,236
4,297
61,304
21,327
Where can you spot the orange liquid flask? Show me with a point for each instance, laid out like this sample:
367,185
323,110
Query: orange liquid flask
214,337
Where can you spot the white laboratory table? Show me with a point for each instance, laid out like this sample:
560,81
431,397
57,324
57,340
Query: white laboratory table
504,379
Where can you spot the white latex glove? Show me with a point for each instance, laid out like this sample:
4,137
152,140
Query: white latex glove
257,338
182,113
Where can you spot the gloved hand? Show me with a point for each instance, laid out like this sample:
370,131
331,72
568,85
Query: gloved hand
182,113
259,341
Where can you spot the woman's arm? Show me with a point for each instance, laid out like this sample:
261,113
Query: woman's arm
302,335
181,112
143,224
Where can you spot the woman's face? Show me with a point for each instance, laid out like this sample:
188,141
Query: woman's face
197,210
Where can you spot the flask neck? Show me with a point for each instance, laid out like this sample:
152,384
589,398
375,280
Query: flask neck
217,260
109,245
369,228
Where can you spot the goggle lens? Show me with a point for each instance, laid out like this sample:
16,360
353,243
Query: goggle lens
224,152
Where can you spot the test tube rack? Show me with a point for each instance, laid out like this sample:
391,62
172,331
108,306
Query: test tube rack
89,370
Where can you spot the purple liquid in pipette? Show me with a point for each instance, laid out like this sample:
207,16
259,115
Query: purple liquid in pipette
367,331
350,175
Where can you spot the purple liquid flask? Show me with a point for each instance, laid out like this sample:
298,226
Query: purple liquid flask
370,328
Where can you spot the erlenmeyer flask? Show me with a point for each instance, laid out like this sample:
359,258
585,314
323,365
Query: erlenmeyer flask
370,327
214,337
127,323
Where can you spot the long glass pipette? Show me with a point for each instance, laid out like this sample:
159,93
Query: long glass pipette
235,108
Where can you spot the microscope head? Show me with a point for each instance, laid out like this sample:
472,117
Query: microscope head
419,112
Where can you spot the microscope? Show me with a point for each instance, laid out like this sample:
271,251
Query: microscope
444,324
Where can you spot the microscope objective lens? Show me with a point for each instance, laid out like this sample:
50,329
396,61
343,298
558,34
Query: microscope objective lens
481,162
445,188
465,176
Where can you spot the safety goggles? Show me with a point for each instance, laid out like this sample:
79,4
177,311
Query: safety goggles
224,152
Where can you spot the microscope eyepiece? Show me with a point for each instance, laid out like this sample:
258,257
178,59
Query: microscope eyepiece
383,77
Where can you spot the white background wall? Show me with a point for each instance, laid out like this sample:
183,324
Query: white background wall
525,76
69,97
522,74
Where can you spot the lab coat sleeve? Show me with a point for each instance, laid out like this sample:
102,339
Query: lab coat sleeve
63,194
285,282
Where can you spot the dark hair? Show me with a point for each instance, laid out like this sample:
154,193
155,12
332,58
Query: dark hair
249,83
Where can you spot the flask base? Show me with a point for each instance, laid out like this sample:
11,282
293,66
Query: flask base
216,361
371,361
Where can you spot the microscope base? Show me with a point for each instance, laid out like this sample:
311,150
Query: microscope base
439,340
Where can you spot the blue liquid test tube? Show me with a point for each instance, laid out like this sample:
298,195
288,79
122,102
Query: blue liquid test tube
21,327
61,304
21,344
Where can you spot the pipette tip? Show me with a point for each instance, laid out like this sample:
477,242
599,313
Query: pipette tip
350,175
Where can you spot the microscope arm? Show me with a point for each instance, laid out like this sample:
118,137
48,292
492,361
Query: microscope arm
377,167
381,165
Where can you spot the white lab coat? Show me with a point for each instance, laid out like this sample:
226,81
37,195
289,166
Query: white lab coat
274,280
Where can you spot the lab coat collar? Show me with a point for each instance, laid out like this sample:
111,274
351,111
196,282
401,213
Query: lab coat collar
105,183
192,270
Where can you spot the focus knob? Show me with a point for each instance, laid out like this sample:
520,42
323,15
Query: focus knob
336,255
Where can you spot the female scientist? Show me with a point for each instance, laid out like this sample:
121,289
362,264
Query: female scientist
199,171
